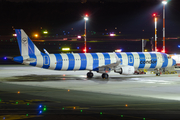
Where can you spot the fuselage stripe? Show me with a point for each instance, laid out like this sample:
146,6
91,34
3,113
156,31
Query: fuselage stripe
153,60
33,63
71,61
30,47
165,60
107,58
142,60
95,61
83,61
59,62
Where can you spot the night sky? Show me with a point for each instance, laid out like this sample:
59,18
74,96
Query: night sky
131,18
80,0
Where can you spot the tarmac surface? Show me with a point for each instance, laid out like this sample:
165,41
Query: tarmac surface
33,93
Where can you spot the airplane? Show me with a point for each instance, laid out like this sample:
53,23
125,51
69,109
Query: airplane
124,63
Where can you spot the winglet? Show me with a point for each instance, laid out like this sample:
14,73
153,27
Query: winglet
117,58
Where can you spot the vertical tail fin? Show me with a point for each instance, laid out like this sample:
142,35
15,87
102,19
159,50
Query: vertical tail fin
26,46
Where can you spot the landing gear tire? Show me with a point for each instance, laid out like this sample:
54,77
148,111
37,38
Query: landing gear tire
157,74
105,76
89,75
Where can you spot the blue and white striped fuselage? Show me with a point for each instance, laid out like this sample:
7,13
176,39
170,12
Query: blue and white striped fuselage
92,61
124,63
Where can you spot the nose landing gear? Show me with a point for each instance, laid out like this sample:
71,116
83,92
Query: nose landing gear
157,71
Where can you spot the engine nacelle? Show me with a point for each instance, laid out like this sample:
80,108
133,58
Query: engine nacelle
125,70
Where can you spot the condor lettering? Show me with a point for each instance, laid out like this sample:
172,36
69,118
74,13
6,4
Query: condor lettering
148,62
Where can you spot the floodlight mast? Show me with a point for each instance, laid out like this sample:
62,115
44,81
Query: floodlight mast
85,18
155,21
164,4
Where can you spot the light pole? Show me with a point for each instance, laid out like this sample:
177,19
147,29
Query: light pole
155,21
164,4
85,18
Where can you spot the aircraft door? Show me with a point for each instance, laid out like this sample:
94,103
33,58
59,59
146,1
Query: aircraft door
46,61
130,58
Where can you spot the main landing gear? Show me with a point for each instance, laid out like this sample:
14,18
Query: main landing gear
104,75
89,74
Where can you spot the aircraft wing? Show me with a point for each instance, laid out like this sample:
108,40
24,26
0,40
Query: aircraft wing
25,60
108,67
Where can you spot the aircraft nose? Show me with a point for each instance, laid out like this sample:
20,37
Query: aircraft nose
174,62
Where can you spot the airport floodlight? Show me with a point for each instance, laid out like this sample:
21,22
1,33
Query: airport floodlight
79,36
86,18
164,2
112,34
36,35
65,49
14,35
45,32
118,50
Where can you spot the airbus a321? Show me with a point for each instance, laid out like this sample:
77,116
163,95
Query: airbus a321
123,63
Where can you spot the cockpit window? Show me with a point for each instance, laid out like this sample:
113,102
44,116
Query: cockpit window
168,57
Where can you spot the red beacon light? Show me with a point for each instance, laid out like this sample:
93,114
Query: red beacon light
86,15
84,50
154,15
163,51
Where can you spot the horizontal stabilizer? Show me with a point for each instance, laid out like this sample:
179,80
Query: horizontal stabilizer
8,57
30,60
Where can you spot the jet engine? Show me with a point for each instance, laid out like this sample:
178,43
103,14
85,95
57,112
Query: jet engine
125,70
